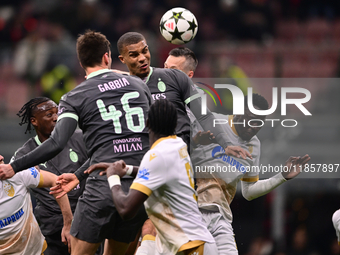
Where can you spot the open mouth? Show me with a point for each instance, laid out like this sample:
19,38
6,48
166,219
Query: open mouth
145,66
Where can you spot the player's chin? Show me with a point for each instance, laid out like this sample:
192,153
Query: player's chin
144,72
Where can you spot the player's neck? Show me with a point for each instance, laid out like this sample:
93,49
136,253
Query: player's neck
42,138
154,137
90,70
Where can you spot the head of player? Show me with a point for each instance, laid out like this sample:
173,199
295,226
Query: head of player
246,132
134,53
162,120
182,59
93,51
42,114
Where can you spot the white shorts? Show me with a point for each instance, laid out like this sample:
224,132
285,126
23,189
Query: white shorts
148,247
222,231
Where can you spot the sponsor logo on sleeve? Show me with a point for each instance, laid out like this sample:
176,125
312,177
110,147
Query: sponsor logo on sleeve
34,172
143,173
60,110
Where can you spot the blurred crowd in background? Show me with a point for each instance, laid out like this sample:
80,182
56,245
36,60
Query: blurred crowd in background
236,39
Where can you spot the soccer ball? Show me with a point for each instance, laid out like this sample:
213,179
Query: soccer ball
178,26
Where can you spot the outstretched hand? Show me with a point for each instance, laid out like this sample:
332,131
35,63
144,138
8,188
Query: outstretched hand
294,166
65,183
118,168
237,151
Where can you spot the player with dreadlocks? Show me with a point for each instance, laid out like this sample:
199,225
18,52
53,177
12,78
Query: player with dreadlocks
41,114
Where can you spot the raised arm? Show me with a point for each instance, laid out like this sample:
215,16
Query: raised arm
293,167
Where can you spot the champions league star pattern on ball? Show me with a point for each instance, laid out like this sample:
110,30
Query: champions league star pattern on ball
178,26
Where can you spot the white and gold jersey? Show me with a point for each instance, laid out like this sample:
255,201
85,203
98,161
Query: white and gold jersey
166,176
19,231
218,174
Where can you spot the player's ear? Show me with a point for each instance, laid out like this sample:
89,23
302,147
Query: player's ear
191,74
34,121
121,58
106,58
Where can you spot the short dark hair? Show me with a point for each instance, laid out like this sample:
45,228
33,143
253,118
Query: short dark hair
128,39
26,112
189,55
258,101
91,46
162,117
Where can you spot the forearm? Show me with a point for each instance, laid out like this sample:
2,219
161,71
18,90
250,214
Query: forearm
252,190
207,123
122,204
80,171
48,149
49,180
133,172
65,208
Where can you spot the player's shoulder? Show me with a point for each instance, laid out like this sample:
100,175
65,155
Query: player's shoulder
220,115
170,73
27,177
166,145
28,146
255,139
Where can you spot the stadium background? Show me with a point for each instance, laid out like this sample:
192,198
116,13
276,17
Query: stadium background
236,38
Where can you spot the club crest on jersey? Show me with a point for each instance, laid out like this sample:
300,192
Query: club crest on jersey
161,85
73,156
143,173
9,189
250,149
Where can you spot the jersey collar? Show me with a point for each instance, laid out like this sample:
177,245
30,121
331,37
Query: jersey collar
97,73
162,139
36,138
148,77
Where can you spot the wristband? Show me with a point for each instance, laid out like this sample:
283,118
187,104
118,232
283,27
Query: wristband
114,180
129,169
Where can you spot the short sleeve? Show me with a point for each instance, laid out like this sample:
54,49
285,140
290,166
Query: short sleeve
31,177
152,173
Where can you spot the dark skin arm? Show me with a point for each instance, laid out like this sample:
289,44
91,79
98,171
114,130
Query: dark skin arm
127,205
107,165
